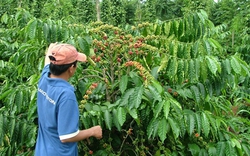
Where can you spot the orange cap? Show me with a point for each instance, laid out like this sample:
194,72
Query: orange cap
64,54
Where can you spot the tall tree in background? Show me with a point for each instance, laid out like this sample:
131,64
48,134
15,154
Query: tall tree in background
138,13
57,9
113,12
234,14
149,11
7,7
194,5
98,10
168,9
106,8
85,11
145,11
130,9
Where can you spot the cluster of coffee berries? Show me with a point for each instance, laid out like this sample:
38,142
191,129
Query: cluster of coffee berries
138,44
175,93
143,25
88,92
96,58
142,71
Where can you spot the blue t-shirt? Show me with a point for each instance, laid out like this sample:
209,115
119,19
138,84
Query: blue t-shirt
58,116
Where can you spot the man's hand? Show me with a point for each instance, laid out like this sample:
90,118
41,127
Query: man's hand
48,52
97,132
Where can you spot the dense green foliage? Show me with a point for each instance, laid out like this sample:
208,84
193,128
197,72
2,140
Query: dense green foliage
172,82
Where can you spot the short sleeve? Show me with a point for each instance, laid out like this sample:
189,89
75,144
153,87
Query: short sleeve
67,119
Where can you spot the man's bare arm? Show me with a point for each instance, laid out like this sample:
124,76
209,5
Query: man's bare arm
95,131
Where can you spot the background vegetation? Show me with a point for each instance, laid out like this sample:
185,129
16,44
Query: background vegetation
163,77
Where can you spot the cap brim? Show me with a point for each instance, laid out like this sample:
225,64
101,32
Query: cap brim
81,57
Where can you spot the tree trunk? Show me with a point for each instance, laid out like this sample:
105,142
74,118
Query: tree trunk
98,14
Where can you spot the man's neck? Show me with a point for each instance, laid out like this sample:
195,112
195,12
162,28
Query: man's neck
62,76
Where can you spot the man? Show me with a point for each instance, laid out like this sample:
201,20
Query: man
57,106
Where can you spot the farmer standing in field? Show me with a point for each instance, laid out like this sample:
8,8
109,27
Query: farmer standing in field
58,114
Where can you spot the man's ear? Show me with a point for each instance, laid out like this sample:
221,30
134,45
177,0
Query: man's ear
71,68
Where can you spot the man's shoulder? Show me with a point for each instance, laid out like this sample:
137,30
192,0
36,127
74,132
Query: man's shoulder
45,69
68,92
